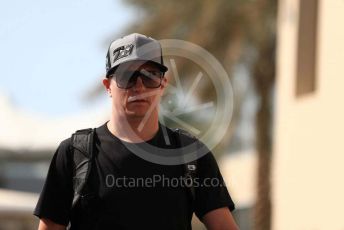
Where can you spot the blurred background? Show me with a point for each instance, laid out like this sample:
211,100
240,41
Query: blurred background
282,154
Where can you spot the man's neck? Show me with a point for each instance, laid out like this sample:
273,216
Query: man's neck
133,130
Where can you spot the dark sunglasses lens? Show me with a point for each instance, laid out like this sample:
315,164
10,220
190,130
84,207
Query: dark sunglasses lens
151,79
126,79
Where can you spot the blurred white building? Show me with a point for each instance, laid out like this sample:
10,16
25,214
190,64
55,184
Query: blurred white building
27,143
21,130
308,149
16,210
308,154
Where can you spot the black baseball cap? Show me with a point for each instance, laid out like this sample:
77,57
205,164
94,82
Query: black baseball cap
134,47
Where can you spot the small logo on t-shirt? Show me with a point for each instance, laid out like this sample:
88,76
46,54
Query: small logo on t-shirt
192,167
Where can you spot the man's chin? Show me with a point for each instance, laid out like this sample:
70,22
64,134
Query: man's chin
137,115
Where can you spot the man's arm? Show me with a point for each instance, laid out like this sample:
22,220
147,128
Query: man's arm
46,224
219,219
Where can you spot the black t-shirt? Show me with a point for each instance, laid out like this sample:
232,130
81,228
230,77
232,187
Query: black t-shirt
122,200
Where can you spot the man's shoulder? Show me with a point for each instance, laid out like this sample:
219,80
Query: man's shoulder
67,142
65,148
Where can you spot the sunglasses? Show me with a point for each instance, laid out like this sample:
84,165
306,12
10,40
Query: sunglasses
127,79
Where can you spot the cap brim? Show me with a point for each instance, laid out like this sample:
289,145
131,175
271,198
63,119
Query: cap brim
160,66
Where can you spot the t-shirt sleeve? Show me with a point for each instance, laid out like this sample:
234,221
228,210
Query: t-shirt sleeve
212,192
56,197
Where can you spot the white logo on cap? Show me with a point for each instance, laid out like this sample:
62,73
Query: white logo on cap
122,51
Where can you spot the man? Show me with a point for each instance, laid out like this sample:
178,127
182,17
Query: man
135,82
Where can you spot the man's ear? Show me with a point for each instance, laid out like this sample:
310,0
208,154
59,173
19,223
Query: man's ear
106,83
164,82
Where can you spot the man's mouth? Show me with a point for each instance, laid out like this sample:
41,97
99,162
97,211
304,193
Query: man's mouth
136,99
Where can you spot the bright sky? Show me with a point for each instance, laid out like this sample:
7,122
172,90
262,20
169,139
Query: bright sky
52,52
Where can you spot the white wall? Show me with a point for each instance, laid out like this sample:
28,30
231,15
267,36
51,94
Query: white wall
22,130
308,188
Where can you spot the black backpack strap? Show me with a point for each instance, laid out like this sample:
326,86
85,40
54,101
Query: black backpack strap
82,144
190,168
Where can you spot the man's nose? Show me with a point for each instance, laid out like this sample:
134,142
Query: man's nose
139,84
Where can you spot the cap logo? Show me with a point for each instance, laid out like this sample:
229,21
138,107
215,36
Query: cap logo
122,51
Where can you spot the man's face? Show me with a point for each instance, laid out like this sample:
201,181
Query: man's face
139,100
